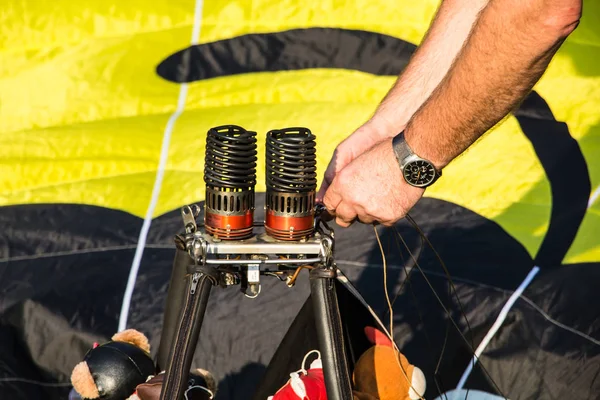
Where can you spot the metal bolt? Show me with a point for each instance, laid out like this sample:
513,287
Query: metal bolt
229,279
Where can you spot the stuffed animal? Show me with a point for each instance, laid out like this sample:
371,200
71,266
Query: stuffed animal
304,384
113,370
122,369
201,386
383,373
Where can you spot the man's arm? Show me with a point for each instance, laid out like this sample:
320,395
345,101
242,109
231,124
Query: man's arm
428,65
431,61
508,50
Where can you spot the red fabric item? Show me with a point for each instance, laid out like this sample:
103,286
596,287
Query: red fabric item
314,382
301,386
376,337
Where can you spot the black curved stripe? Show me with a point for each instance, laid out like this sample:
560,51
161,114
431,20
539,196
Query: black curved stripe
381,54
567,172
295,49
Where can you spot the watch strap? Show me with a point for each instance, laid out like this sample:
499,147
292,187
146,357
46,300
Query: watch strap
401,149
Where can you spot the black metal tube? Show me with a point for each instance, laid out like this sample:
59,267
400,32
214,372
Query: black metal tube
331,336
173,306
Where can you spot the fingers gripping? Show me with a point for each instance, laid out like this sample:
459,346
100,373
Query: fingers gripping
345,214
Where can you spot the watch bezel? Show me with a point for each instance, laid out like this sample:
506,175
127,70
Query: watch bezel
411,161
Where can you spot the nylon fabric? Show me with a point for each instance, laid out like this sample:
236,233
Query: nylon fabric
84,106
90,142
68,302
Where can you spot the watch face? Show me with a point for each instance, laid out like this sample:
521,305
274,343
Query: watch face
419,173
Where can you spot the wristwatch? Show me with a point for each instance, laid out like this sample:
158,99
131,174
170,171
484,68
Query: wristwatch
416,170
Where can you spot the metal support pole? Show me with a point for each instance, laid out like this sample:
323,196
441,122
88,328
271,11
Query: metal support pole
330,334
173,306
183,346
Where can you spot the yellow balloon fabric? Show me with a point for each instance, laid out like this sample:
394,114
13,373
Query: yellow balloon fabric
83,112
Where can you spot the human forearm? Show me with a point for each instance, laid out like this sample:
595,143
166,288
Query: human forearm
430,63
432,59
509,49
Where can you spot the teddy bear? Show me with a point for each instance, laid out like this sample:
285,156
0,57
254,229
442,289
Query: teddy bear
381,373
113,370
122,369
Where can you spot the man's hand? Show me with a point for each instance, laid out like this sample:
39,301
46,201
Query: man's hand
494,70
371,188
350,148
427,67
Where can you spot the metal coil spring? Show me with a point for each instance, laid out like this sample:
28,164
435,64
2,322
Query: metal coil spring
230,158
291,160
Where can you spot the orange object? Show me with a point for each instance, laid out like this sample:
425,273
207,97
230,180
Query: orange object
229,226
284,227
383,373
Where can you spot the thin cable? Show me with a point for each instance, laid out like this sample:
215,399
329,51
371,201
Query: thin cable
446,271
415,302
436,373
406,272
450,289
292,280
391,333
449,316
385,288
439,362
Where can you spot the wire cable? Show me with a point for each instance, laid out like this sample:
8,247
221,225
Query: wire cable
462,336
391,333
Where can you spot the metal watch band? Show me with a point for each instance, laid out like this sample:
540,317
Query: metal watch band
401,149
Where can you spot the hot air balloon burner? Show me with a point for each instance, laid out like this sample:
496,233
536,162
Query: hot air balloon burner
225,251
230,177
291,184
